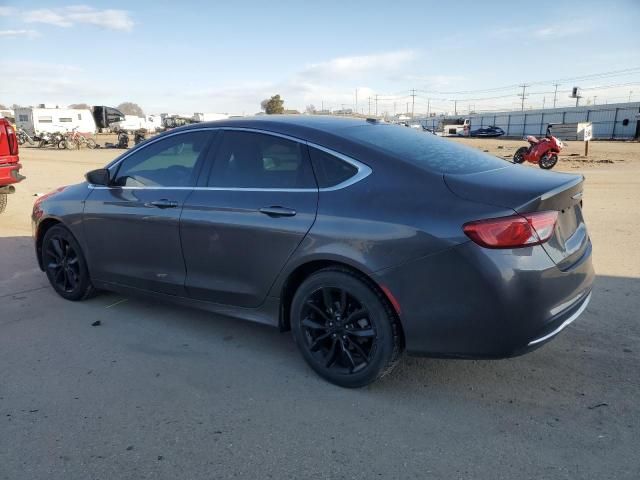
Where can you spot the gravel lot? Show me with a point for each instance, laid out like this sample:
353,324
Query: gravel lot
162,392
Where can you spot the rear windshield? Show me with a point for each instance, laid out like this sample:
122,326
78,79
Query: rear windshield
424,149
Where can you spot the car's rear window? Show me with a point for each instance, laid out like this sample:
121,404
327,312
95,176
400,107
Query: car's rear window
424,149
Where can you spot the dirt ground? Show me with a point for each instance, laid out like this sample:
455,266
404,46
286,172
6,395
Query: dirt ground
159,391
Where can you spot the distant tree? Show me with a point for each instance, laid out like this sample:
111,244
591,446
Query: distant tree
130,108
3,107
311,109
263,104
15,105
275,105
80,106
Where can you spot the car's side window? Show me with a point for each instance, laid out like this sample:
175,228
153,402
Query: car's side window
329,169
170,162
256,160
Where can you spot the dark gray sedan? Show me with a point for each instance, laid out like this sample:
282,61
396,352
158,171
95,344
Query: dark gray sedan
363,238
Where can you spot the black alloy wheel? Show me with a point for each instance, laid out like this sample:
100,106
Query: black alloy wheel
518,157
548,161
65,265
345,329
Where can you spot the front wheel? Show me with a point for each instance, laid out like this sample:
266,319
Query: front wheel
345,329
518,157
548,161
65,265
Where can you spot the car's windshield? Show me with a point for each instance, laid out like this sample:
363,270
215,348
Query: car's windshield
427,151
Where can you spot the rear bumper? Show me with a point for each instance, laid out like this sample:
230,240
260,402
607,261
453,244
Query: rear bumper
10,173
471,302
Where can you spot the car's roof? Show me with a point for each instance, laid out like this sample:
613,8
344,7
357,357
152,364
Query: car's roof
289,124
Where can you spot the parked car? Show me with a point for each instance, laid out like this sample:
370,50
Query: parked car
365,239
9,162
490,131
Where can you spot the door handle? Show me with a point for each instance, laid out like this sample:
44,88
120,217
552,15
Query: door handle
162,203
278,211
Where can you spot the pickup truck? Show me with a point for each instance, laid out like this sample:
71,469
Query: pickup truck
9,162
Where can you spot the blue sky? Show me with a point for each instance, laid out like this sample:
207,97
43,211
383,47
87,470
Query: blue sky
217,56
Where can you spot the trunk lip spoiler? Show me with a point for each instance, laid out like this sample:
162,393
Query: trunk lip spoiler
564,186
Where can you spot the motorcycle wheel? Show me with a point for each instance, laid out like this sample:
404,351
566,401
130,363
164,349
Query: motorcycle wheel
42,144
91,143
64,144
20,140
518,157
548,161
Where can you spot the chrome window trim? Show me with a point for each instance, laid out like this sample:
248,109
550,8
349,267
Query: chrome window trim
363,170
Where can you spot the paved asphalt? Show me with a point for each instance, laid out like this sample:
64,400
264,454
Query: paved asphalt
162,392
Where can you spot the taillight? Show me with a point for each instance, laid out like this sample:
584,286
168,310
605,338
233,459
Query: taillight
13,141
514,231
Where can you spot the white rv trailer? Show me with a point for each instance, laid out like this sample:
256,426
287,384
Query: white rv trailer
38,120
209,117
130,123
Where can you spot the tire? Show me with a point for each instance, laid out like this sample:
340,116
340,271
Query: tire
353,341
518,157
3,202
91,143
42,144
548,161
65,265
20,140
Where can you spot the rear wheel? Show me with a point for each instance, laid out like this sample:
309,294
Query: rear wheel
344,328
3,202
65,264
548,161
518,157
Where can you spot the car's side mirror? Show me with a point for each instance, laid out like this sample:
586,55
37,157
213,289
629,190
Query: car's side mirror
98,177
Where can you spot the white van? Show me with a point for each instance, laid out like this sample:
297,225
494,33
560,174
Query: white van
38,120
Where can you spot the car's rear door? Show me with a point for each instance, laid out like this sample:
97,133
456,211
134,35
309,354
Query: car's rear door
255,206
132,226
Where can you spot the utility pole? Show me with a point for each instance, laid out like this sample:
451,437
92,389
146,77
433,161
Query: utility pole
369,106
322,103
630,92
413,101
376,104
523,96
407,109
394,109
428,107
544,99
455,107
555,94
594,99
356,109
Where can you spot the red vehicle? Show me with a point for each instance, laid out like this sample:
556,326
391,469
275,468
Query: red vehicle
543,151
9,161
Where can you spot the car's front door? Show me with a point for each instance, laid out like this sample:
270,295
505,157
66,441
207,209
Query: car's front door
132,225
256,205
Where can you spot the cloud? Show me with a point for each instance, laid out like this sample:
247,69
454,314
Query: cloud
18,33
6,11
354,66
81,14
545,32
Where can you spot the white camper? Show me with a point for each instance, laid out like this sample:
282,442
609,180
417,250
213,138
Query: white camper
38,120
209,117
131,123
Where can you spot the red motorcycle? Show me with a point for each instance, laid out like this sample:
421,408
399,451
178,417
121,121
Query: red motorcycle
543,151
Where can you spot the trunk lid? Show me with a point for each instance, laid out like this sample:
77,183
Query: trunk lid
526,189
